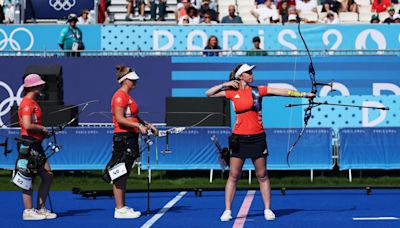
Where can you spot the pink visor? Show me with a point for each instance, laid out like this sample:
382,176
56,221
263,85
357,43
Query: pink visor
33,80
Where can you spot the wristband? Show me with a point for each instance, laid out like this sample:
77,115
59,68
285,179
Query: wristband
292,93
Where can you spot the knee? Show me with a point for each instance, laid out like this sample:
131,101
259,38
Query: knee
27,192
262,175
120,182
47,176
234,177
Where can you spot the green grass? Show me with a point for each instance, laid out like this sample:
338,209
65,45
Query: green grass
161,179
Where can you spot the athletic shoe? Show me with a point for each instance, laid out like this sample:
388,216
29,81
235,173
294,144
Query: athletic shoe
32,214
126,213
47,213
269,215
128,18
226,216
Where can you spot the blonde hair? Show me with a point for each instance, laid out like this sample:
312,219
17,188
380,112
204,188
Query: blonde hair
122,70
232,74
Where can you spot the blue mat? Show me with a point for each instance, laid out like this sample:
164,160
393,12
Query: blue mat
299,208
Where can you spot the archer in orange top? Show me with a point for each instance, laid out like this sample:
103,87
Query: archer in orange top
248,139
32,130
127,126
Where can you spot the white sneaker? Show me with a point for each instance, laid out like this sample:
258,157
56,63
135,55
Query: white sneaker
269,215
226,216
126,213
32,214
47,213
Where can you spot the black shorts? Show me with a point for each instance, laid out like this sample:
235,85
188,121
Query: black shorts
250,146
126,148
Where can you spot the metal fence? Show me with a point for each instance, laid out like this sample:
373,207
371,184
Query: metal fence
141,53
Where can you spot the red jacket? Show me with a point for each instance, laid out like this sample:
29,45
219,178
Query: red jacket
381,7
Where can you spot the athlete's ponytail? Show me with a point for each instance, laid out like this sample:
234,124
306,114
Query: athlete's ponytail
122,70
232,74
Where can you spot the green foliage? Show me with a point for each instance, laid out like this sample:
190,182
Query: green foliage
161,179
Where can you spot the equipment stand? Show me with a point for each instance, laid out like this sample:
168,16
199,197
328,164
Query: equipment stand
148,143
166,151
51,205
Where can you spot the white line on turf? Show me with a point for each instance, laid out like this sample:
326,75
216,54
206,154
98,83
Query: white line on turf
244,210
376,218
163,210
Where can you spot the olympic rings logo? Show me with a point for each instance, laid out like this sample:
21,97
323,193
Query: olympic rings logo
13,43
6,104
62,4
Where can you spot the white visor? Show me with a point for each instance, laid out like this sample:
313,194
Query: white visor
243,69
131,76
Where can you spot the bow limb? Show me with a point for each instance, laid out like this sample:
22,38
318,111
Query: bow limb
62,126
177,130
294,144
74,106
308,110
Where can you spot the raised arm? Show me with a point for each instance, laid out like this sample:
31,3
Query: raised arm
288,93
219,90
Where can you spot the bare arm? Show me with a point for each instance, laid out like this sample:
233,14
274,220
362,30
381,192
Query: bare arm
254,13
150,126
217,91
29,126
122,120
288,93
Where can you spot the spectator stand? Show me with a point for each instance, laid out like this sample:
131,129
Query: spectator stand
43,13
118,12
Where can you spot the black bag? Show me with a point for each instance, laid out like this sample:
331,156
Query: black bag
81,46
34,154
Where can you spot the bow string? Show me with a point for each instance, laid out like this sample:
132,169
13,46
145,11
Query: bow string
311,102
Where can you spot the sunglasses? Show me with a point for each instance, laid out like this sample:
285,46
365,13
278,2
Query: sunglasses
207,17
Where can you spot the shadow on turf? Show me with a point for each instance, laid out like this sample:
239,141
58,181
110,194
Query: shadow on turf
76,212
284,212
176,209
278,213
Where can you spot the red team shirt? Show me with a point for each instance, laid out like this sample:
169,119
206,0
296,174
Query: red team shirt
249,122
123,100
30,107
381,7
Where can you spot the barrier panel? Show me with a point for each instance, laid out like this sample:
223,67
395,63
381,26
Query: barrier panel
239,37
89,148
43,37
369,148
193,149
